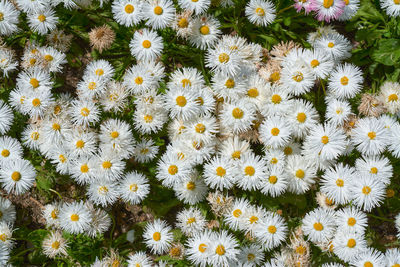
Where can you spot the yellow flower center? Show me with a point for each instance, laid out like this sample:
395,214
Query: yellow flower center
107,164
276,99
74,217
183,23
133,187
251,257
99,72
252,92
324,139
55,245
236,154
1,16
346,2
351,221
301,117
298,77
32,61
54,214
202,248
220,171
129,8
288,150
103,189
85,112
200,128
237,113
204,30
390,193
114,134
331,45
274,161
5,153
249,170
237,213
84,168
80,144
146,44
328,3
62,158
158,10
35,136
275,131
366,190
34,82
253,219
393,97
190,186
301,250
374,170
16,176
200,101
48,58
371,135
56,127
181,101
314,63
173,169
92,86
36,102
191,220
57,109
272,229
148,118
223,58
318,226
186,82
368,264
260,11
340,182
273,179
300,174
230,83
144,151
275,76
41,18
344,80
157,236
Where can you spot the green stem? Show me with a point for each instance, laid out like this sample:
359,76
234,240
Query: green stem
58,194
283,10
323,87
380,218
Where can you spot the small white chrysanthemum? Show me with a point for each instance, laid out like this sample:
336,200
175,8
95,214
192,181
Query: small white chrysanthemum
171,169
337,112
345,81
109,166
145,151
301,174
370,136
127,12
84,169
139,259
204,31
17,176
392,7
335,45
101,68
297,78
390,96
369,257
223,60
367,193
260,12
319,225
158,236
238,116
350,9
8,62
191,221
335,183
223,250
181,103
159,13
34,79
379,168
321,64
84,112
197,7
392,257
91,86
51,214
250,255
275,132
134,187
54,245
201,129
394,145
102,192
9,18
271,231
146,45
52,58
328,10
116,136
115,97
199,247
75,217
7,211
302,116
10,149
234,216
43,21
251,169
6,117
351,219
6,239
219,173
275,182
191,190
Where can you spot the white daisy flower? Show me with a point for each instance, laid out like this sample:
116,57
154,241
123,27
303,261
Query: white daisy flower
100,222
81,143
335,45
302,116
43,21
127,12
191,221
337,112
84,112
186,77
83,169
297,77
250,255
321,63
7,211
394,145
191,190
345,81
29,6
146,45
53,58
55,130
6,239
377,167
319,225
369,257
54,245
238,117
171,169
370,136
390,96
223,60
199,247
158,236
204,31
145,151
250,171
109,166
392,7
8,61
234,148
6,117
138,80
116,136
351,219
327,141
61,158
134,187
10,148
223,250
206,102
234,216
392,257
9,18
367,193
336,183
101,68
37,103
149,120
140,259
301,174
230,88
35,80
51,214
159,13
182,103
17,176
201,129
275,132
260,12
275,158
275,182
350,9
328,10
197,7
219,173
278,102
91,86
115,97
102,192
75,217
271,231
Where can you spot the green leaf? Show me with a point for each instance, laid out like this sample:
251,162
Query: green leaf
388,52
